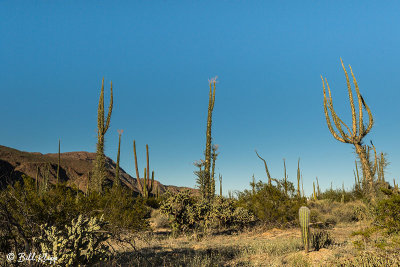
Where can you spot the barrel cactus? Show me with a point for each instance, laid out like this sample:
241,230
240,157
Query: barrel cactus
304,218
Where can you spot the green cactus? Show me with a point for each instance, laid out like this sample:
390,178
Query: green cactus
318,189
304,218
99,167
314,194
358,131
147,186
298,178
207,166
285,178
117,180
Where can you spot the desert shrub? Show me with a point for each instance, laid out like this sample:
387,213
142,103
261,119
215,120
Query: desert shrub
187,212
320,239
271,204
331,212
388,212
79,243
339,195
23,208
159,219
372,259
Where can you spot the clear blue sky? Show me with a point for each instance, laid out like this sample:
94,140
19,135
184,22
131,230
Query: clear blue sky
268,55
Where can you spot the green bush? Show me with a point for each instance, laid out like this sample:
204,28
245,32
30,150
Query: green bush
271,204
23,208
388,212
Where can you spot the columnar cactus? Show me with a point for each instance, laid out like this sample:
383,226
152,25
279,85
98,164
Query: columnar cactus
117,180
147,186
207,166
298,178
358,131
285,184
99,167
304,218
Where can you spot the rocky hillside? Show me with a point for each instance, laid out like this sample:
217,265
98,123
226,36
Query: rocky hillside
75,169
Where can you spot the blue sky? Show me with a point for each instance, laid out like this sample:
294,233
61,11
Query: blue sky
268,56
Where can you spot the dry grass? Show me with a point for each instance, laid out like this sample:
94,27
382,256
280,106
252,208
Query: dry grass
258,247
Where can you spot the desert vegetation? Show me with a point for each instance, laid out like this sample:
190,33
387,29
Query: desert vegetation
273,223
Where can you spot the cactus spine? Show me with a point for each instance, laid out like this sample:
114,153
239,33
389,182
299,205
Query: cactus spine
207,166
266,169
147,186
304,218
358,131
117,180
99,168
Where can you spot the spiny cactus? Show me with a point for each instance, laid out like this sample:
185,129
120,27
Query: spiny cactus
207,167
147,186
99,167
285,185
304,218
314,194
358,131
117,181
298,178
318,189
80,243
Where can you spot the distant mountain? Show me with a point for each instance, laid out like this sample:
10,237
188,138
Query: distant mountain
75,168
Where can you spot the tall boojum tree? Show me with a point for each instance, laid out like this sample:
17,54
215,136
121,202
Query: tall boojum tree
358,131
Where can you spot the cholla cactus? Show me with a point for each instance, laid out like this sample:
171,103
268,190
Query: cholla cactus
80,243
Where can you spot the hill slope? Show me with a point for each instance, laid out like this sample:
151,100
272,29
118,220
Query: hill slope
75,168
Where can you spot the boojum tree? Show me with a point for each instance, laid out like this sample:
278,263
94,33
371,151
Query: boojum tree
99,172
358,131
207,161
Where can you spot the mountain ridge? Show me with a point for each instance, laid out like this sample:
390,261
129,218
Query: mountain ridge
75,169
